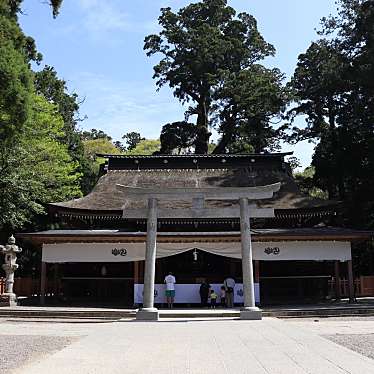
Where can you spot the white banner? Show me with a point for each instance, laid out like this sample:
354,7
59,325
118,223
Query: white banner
189,293
265,251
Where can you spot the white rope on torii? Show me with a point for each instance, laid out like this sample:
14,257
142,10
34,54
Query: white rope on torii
197,210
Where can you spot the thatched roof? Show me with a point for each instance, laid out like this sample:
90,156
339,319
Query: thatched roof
107,198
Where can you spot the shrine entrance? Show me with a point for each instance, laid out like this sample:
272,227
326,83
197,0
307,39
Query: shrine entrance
194,265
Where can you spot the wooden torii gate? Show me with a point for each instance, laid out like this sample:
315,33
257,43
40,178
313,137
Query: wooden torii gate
197,210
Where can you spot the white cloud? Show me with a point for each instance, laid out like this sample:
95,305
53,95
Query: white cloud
103,16
118,108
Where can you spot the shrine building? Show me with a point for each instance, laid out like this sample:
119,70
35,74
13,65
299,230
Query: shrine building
96,253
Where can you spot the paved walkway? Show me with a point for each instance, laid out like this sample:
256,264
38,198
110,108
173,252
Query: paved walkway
202,346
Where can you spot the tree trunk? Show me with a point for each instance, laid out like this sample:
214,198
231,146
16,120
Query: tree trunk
202,133
227,129
222,144
225,140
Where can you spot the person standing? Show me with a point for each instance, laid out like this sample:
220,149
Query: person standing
213,299
229,284
204,293
170,289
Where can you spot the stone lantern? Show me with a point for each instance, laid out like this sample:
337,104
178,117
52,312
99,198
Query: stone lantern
10,251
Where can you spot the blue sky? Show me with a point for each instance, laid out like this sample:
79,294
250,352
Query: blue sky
97,47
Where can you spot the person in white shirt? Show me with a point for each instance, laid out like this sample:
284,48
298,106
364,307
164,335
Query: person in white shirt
229,284
170,289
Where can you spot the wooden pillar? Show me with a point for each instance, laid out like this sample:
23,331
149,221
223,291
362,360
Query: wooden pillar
141,271
136,272
55,281
43,277
257,271
337,279
351,286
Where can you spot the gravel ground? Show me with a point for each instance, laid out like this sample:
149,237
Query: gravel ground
361,343
329,319
16,351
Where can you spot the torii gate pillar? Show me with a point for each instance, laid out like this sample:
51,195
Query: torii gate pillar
149,312
249,310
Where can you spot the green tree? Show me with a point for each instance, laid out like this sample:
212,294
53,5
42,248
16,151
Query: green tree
54,90
306,182
247,103
119,146
320,85
92,147
16,51
146,147
202,44
48,84
319,82
36,168
15,6
132,139
94,134
177,136
333,85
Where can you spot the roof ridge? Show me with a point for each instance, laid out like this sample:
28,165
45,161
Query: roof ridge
220,155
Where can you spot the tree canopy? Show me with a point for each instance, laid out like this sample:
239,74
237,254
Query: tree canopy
334,88
16,51
247,104
205,47
36,168
15,6
132,139
177,136
146,147
37,125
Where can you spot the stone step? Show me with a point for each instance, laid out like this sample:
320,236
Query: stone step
175,313
117,314
323,312
104,314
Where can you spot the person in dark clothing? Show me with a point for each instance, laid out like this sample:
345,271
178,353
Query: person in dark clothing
204,293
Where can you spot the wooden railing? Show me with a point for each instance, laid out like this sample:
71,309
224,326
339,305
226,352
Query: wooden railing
27,287
364,286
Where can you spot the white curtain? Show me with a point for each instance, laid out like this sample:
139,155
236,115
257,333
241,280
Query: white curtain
265,251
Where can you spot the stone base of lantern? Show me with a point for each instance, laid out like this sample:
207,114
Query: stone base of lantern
8,299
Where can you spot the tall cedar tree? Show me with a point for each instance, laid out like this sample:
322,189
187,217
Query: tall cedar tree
202,44
334,86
